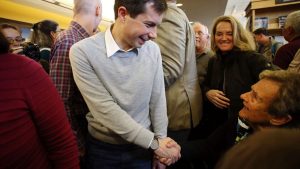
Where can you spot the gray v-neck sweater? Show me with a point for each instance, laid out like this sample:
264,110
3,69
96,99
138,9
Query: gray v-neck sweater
125,93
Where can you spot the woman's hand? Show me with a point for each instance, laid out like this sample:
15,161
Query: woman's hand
218,98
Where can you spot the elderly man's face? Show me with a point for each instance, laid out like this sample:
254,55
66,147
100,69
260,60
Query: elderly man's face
201,35
257,102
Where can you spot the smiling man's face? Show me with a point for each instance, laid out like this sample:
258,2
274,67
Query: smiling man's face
257,102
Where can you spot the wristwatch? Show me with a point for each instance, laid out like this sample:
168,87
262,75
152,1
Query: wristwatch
154,144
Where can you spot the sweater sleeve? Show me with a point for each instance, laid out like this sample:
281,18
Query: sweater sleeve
158,107
104,109
50,118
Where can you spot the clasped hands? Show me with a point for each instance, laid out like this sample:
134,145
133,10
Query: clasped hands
168,151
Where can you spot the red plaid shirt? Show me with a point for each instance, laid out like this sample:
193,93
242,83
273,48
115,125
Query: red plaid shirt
61,75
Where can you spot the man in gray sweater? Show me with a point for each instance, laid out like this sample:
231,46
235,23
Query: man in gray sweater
119,73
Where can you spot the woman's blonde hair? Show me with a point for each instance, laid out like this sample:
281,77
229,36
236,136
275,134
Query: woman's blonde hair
242,38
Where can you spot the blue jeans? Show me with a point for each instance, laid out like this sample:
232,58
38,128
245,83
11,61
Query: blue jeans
101,155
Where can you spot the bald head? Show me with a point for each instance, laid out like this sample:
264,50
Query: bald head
88,14
85,6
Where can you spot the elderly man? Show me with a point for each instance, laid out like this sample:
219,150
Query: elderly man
291,33
203,52
273,101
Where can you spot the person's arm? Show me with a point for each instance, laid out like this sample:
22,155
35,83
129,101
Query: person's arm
60,71
158,106
294,66
172,42
103,107
49,117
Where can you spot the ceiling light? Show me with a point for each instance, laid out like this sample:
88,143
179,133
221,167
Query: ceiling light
179,4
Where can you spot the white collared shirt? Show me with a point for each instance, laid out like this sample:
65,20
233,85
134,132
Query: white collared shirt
111,45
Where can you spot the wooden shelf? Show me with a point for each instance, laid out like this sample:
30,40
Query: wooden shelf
271,10
275,32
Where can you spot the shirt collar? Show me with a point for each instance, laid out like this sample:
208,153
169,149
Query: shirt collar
79,28
111,45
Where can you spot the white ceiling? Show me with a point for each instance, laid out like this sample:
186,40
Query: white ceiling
206,11
237,9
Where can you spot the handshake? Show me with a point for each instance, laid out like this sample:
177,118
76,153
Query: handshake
168,151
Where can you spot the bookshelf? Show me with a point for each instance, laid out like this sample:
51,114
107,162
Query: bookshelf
273,10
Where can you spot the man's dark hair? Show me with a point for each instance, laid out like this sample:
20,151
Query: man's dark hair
136,7
261,31
287,99
4,44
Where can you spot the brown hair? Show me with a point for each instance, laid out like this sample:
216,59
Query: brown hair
287,100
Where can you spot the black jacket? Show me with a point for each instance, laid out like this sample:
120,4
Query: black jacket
241,70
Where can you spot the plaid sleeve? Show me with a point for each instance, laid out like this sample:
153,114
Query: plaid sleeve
60,71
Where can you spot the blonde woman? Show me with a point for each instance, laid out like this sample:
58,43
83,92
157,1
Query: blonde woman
231,72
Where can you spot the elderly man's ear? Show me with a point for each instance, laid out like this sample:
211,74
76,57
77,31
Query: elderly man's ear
278,121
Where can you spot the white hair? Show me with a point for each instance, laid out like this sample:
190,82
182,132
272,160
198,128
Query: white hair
205,27
293,20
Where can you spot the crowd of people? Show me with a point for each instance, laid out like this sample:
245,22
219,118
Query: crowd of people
152,91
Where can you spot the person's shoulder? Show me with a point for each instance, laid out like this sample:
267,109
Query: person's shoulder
174,13
251,55
64,40
150,46
22,62
283,50
210,53
97,39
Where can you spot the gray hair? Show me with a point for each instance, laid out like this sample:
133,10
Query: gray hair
287,100
205,27
293,20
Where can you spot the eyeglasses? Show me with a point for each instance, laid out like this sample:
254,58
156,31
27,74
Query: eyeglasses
200,33
18,39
